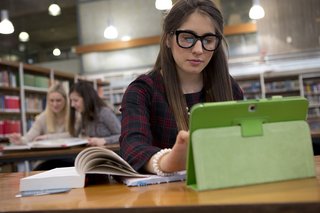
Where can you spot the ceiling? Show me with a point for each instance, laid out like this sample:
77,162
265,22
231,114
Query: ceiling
46,32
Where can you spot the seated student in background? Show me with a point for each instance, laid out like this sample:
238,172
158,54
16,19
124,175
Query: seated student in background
191,67
50,124
96,121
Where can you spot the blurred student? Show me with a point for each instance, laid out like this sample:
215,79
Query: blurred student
191,67
51,123
90,117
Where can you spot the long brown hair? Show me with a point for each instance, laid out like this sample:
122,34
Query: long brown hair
92,105
216,78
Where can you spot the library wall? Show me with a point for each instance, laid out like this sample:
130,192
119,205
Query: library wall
144,20
289,26
72,66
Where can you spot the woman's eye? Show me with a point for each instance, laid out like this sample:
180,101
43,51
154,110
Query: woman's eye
189,39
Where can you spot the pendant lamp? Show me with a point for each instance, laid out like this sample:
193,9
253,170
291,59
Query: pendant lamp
6,26
256,12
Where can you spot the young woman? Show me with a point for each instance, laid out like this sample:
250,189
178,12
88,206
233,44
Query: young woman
90,117
50,124
191,67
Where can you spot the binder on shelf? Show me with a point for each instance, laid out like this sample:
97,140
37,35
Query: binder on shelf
249,142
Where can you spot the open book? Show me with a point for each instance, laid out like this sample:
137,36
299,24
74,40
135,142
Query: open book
93,160
47,144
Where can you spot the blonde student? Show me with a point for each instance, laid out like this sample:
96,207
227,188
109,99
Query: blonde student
191,67
51,123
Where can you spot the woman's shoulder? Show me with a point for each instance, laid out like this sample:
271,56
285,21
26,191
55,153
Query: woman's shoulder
147,81
148,78
105,110
41,116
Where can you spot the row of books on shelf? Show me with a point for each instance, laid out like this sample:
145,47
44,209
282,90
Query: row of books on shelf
35,103
313,100
286,85
251,86
314,126
36,81
8,79
314,112
8,127
312,87
30,122
251,96
9,103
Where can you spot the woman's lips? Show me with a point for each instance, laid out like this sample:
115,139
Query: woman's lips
195,61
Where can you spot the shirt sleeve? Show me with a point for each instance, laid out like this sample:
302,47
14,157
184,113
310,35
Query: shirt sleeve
37,128
112,123
136,135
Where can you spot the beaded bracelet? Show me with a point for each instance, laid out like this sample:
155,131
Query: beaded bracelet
155,163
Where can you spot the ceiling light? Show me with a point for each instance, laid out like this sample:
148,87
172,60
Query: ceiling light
56,52
163,4
256,11
6,27
110,32
54,10
24,36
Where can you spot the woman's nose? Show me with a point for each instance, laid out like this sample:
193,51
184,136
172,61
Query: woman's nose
197,48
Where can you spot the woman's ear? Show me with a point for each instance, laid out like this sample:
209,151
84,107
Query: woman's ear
168,41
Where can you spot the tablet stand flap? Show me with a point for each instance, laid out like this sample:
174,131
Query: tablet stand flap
251,127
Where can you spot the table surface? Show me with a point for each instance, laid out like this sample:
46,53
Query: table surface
45,154
294,196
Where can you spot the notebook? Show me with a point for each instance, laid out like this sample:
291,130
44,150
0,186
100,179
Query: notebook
239,143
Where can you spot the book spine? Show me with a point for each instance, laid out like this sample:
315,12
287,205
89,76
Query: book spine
12,103
10,126
1,129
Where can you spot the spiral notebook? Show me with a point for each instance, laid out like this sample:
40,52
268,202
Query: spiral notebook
239,143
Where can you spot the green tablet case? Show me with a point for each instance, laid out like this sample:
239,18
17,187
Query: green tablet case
249,142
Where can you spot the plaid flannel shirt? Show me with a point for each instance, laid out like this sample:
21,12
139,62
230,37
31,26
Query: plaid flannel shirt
147,123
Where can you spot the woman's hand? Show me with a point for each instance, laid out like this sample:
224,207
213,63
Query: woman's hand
176,159
41,137
96,141
15,138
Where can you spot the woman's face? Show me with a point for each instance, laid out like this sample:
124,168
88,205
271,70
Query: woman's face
192,60
76,101
56,102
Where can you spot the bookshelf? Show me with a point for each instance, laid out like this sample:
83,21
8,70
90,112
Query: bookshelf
112,86
311,90
282,84
112,95
252,86
306,84
10,110
23,90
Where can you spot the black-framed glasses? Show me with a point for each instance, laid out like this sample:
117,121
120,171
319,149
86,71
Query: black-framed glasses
187,39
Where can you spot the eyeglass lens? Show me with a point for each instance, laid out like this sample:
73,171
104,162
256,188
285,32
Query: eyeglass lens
188,40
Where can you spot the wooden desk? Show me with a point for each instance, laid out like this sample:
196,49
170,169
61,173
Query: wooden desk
45,154
288,196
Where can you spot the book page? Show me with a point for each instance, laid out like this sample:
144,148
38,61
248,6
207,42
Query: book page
154,179
58,143
13,147
103,161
